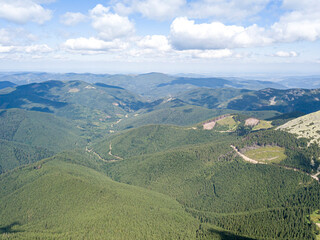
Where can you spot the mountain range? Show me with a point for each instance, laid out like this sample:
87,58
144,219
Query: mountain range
182,158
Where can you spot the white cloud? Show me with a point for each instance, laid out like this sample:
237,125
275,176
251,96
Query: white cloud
168,9
29,49
158,9
16,36
157,42
231,10
5,36
285,54
6,49
301,22
298,5
23,11
92,45
110,26
122,9
185,34
37,48
297,26
72,18
221,53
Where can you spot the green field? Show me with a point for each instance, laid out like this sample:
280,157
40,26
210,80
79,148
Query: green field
226,124
268,154
263,125
315,218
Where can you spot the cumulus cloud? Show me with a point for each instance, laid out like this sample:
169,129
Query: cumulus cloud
110,26
157,42
301,22
186,34
91,45
72,18
6,49
298,5
297,26
23,11
152,9
286,54
158,9
168,9
231,10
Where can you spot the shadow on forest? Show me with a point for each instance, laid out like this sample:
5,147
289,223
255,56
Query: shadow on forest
8,228
228,236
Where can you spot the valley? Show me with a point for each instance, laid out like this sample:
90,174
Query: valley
82,159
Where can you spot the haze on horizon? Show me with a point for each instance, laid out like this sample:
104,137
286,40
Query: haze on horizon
177,36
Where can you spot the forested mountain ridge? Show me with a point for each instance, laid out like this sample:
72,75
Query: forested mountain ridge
74,99
28,136
303,100
6,84
102,162
150,85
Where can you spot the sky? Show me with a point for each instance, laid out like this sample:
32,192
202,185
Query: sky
215,37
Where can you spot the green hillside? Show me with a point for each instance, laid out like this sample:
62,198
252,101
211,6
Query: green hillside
182,116
92,161
14,154
28,136
154,138
39,129
285,101
63,200
200,169
211,98
307,126
217,187
74,100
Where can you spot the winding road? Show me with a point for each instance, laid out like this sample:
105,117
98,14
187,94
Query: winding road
250,160
102,159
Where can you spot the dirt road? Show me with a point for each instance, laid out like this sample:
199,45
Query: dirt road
250,160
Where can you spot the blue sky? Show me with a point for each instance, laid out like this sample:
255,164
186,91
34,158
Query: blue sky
216,37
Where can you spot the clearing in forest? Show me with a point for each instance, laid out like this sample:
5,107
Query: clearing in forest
263,125
315,218
268,154
227,124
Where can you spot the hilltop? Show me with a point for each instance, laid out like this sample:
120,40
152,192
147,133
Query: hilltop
150,85
307,126
74,100
28,136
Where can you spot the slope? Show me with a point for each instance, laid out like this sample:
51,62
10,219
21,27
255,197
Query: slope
39,129
182,116
200,170
74,100
153,138
28,136
58,199
14,154
210,98
306,126
6,84
303,100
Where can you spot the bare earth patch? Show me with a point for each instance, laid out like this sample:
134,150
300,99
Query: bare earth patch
74,90
252,122
210,124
